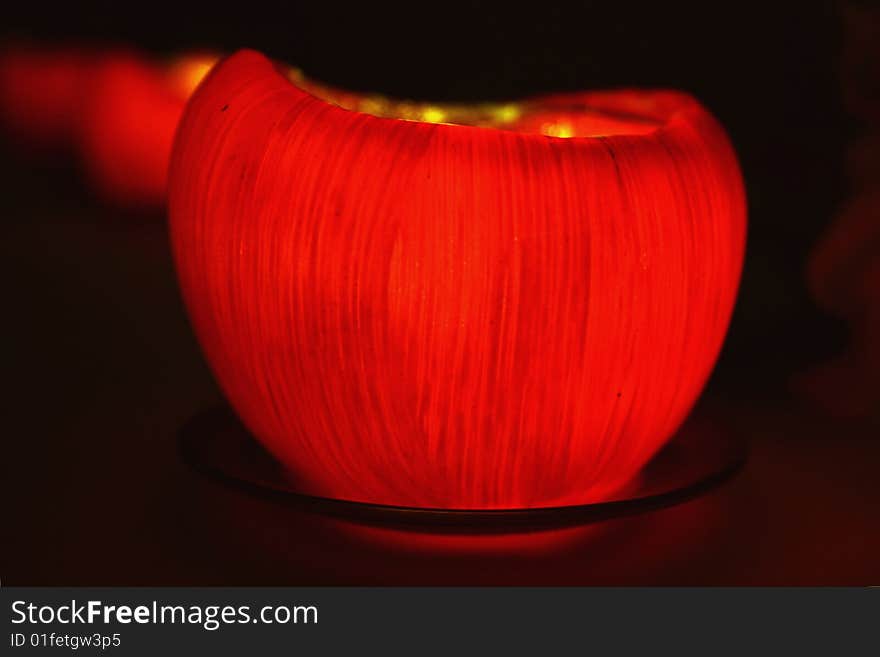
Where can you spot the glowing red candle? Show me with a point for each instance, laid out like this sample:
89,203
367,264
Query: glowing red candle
495,306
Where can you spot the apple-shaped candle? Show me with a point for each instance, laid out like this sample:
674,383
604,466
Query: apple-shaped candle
459,307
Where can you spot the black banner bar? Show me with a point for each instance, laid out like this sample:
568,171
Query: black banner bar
453,621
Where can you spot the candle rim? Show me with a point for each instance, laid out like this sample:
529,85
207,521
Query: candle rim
662,107
503,115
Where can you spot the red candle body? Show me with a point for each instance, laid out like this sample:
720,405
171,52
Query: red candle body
453,316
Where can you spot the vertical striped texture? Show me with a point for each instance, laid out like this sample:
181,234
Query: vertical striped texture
450,316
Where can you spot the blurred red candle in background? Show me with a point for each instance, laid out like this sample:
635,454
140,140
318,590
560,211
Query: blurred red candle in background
128,131
117,110
494,306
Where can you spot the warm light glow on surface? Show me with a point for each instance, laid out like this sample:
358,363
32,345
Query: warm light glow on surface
545,542
186,72
561,129
424,314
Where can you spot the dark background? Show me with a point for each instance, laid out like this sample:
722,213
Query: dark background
104,369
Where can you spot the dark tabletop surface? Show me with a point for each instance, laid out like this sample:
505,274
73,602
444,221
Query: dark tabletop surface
103,371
